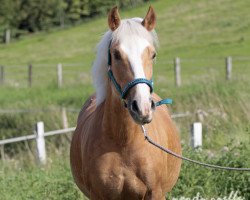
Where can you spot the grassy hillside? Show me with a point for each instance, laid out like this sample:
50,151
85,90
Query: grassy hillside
201,33
189,29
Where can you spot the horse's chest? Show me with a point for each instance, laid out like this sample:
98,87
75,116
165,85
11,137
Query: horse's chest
120,177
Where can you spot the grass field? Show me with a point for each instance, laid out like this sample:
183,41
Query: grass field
201,33
190,29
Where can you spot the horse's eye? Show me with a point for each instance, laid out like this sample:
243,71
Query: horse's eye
117,55
154,55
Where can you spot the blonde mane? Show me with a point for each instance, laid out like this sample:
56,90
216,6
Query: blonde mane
128,28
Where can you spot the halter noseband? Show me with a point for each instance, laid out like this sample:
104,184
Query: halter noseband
123,92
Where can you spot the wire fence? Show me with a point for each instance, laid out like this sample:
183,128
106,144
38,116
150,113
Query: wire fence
39,134
16,111
74,73
199,113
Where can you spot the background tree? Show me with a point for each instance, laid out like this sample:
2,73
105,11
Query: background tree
30,16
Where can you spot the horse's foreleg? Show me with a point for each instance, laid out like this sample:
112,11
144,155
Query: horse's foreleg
154,195
94,196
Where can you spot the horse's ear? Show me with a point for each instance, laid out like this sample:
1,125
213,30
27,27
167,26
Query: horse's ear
114,18
149,21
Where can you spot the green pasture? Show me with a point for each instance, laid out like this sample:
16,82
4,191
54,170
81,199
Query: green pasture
188,29
55,182
201,33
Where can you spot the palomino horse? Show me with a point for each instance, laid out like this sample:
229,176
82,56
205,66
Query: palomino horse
109,157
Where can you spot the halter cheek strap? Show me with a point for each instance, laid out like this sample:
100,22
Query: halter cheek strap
123,92
112,78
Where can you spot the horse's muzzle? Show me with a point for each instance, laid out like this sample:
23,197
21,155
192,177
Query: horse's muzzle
141,112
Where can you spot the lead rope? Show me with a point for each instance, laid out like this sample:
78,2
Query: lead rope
188,159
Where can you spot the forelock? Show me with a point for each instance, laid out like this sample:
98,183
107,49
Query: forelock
130,28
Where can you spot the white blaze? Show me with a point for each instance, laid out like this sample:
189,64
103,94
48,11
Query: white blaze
133,47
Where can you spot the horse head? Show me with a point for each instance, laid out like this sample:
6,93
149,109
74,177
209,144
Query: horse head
131,55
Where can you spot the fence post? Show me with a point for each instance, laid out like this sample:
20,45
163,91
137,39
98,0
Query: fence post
2,152
229,67
40,143
59,75
64,118
30,75
196,135
1,75
6,36
177,69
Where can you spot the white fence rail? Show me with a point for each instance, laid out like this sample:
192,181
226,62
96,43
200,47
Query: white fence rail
199,113
39,135
16,111
33,136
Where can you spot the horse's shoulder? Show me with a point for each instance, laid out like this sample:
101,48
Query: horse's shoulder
88,108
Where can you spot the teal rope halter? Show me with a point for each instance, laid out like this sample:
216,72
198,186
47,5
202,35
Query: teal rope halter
123,92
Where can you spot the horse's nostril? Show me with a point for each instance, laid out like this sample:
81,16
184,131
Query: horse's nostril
134,106
152,104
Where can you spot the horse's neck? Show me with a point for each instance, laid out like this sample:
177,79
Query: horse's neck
117,122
